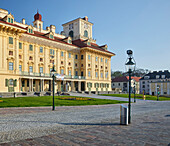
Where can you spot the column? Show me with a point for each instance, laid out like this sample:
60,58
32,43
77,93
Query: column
29,85
66,63
79,86
58,62
25,66
17,54
4,48
161,89
36,51
93,67
32,85
42,84
72,85
0,50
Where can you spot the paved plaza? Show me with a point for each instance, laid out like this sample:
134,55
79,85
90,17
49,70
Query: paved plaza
86,125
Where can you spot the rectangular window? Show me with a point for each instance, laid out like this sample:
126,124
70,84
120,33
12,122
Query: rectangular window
71,26
10,40
101,59
12,20
20,67
89,73
96,58
96,74
101,75
82,73
106,61
9,20
106,74
41,69
51,36
89,57
51,51
30,69
11,66
62,53
76,73
76,56
31,47
20,45
69,55
81,57
69,72
41,49
62,71
11,82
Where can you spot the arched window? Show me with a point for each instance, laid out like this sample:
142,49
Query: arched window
39,27
85,33
71,34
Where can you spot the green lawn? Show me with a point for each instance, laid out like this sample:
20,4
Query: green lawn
47,101
139,96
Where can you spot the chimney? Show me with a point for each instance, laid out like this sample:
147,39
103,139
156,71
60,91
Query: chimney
52,28
23,21
48,28
86,18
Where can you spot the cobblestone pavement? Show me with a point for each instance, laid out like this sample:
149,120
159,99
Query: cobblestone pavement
86,125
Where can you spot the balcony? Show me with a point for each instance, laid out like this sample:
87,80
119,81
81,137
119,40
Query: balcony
23,73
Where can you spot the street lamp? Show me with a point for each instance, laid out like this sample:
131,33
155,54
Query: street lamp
53,76
157,92
134,91
130,67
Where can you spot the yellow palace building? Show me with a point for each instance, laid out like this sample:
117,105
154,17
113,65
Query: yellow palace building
28,52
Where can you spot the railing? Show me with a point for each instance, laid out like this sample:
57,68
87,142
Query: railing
49,75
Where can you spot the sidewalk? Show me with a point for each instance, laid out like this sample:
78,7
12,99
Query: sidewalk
86,125
146,130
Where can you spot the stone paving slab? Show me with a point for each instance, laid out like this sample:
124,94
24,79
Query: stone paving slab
146,130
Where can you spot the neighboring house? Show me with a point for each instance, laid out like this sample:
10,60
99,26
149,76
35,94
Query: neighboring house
162,86
149,81
28,52
121,84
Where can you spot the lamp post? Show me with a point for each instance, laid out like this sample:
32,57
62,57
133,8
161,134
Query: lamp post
53,76
157,92
130,67
134,92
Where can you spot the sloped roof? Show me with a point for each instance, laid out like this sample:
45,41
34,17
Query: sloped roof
125,79
80,43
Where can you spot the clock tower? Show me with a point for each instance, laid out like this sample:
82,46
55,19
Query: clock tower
79,28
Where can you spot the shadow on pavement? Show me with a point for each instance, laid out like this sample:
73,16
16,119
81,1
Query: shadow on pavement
97,124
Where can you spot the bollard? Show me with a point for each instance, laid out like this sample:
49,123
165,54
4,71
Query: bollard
123,115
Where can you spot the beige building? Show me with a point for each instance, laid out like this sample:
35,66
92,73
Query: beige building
162,86
121,84
27,54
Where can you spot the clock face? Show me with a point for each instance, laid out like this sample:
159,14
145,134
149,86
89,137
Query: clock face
85,26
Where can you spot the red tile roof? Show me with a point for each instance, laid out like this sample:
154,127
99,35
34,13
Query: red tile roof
125,79
77,43
80,43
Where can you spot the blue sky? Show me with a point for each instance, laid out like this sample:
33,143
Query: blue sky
141,25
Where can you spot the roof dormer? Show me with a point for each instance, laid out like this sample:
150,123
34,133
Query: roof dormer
104,47
68,40
30,29
50,35
87,42
9,18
